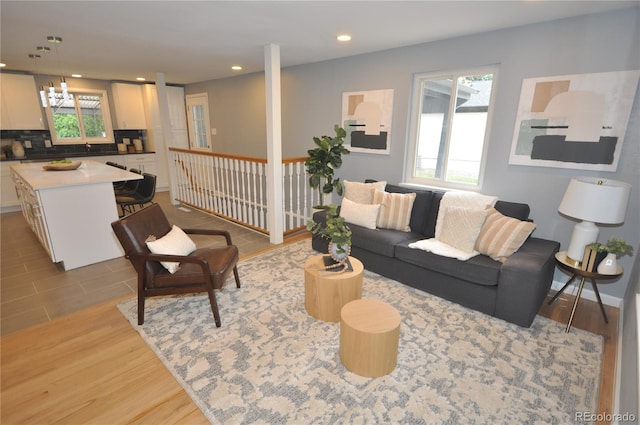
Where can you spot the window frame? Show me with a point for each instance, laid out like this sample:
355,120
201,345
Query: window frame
414,121
83,139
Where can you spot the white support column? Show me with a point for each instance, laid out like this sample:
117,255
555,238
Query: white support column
274,143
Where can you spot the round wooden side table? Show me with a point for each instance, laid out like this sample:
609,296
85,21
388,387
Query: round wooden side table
369,337
564,263
326,292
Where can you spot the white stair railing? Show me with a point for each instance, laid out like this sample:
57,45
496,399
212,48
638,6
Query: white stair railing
235,188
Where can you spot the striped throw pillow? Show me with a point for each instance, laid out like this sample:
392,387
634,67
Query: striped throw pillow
395,209
501,236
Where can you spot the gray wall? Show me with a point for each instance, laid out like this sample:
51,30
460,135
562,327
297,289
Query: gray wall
237,107
312,95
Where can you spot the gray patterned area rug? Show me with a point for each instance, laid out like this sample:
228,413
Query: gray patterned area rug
272,363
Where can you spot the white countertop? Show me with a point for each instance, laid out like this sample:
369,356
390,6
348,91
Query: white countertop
90,172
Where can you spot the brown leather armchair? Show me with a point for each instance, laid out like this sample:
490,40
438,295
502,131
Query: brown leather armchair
203,270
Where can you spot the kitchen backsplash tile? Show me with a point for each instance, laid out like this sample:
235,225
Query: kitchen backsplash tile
36,138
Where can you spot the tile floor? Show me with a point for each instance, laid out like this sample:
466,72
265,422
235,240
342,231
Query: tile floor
34,290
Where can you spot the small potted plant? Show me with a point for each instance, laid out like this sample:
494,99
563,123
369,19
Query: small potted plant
619,247
336,231
323,160
614,248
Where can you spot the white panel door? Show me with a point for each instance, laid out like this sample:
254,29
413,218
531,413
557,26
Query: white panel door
198,121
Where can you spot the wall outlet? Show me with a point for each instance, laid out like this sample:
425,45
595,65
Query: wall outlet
47,143
27,144
214,131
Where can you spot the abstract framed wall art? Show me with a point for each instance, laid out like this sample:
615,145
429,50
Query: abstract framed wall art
573,121
366,117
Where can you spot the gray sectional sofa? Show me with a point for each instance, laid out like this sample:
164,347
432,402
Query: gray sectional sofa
512,290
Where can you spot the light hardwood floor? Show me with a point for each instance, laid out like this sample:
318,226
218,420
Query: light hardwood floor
89,366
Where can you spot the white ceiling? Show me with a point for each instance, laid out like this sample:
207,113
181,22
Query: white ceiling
197,41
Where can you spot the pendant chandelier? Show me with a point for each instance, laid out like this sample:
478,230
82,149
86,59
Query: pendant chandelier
35,57
55,40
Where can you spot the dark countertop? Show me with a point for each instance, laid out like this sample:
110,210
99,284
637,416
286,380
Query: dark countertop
64,155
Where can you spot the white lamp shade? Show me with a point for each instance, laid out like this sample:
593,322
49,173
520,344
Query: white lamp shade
596,200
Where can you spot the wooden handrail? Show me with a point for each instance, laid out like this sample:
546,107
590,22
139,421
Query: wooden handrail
298,159
240,157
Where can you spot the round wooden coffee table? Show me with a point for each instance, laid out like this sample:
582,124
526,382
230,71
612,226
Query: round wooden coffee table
325,292
369,337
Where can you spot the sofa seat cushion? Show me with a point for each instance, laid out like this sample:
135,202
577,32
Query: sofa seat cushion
479,269
379,241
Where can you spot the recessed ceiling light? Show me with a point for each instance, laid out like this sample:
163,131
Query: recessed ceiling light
141,79
76,75
236,67
344,37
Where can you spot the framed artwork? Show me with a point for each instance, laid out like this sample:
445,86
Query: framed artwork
366,117
573,121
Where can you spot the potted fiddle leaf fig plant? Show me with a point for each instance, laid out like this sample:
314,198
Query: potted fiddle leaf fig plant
323,161
336,230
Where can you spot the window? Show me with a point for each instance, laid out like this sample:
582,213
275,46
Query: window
83,118
449,131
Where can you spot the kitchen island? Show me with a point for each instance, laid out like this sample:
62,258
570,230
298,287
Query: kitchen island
71,211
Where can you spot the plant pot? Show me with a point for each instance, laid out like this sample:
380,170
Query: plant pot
609,265
599,257
338,254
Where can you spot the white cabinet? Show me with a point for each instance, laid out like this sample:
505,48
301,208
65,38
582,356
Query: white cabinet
177,108
33,212
8,196
178,117
20,109
127,100
143,162
161,136
177,131
118,159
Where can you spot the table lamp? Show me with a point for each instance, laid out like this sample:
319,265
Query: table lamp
592,200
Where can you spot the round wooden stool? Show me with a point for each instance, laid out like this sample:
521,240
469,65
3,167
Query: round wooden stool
325,292
369,337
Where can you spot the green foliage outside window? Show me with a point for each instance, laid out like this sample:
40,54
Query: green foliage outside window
93,124
67,126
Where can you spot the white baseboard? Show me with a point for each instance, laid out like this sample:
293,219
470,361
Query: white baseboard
587,293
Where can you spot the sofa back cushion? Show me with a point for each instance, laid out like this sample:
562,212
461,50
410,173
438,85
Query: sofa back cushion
513,209
425,208
395,209
361,193
421,205
510,209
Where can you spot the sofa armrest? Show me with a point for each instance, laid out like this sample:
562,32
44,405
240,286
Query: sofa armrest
525,280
